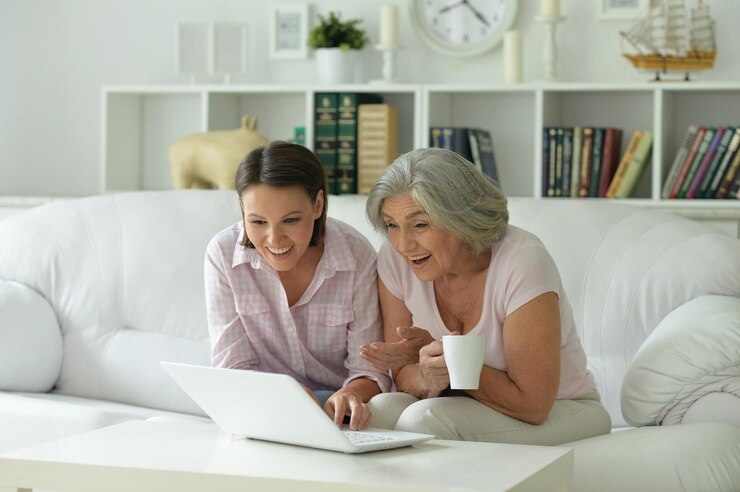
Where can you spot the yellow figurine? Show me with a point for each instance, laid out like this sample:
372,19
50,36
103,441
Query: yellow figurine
208,160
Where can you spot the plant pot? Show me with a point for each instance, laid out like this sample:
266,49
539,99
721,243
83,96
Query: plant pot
336,66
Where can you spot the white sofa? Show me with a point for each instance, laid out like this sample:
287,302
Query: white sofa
95,292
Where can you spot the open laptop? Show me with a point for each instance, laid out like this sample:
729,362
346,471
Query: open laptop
275,407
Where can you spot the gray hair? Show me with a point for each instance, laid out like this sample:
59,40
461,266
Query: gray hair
455,194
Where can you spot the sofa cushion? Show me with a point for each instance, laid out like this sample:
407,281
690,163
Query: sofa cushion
704,456
29,418
30,340
692,353
624,269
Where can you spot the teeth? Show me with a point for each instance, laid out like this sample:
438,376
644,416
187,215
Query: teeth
280,251
418,257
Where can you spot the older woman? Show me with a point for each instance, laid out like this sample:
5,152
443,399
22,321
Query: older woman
454,264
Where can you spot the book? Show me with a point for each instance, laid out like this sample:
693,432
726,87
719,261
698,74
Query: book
722,148
559,162
610,158
732,149
586,156
703,148
484,142
325,135
636,166
299,135
442,137
377,142
735,189
705,163
545,161
567,160
686,164
553,151
726,183
598,150
346,171
575,168
688,139
624,162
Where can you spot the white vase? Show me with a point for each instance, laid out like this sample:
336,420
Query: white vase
336,66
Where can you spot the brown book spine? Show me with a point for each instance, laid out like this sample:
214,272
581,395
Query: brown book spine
698,138
610,159
588,139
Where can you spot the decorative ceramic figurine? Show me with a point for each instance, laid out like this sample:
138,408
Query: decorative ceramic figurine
208,160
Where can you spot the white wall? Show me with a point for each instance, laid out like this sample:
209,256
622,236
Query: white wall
57,53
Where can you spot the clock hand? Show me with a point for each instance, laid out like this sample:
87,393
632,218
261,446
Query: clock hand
450,7
476,13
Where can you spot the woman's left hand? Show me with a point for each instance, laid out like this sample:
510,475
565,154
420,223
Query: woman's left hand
433,368
345,402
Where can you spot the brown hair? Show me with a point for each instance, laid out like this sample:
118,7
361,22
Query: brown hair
284,164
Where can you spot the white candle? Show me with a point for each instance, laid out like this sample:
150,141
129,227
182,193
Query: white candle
512,57
550,8
389,25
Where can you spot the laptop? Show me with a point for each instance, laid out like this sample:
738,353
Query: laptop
275,407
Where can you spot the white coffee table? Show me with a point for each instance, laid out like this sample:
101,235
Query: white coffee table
189,456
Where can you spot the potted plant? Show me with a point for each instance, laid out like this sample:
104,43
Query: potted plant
336,43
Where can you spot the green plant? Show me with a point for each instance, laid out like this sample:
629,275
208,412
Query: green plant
331,32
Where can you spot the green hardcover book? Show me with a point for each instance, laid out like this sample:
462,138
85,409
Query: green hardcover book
635,168
346,172
325,136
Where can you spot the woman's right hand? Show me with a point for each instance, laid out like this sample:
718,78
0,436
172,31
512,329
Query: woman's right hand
395,355
433,369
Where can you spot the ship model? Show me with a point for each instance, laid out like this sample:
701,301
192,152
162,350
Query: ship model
672,39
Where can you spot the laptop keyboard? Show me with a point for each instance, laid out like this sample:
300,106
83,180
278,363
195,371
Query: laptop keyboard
359,438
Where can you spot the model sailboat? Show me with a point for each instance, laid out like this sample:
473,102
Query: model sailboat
671,40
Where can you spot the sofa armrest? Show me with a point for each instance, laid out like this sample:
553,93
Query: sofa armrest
688,369
30,340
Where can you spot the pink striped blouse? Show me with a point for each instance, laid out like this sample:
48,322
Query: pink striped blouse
316,340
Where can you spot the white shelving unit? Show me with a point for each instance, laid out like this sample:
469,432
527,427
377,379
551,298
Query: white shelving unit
140,122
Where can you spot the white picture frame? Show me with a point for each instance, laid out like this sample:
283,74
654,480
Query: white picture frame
229,44
193,48
623,9
289,31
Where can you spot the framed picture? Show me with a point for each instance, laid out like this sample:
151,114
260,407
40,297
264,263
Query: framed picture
229,48
193,58
289,31
623,9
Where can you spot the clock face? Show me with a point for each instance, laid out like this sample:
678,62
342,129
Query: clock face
463,27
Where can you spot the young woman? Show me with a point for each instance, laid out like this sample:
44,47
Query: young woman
453,264
289,291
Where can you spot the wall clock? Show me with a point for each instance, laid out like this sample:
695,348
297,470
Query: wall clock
462,27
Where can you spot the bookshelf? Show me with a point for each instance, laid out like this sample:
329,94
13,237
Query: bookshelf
139,123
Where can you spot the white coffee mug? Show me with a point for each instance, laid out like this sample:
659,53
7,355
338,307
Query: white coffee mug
464,358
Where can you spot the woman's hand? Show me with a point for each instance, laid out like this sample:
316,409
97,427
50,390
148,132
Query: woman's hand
433,368
345,402
395,355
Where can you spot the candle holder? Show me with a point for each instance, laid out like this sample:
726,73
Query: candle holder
389,62
550,51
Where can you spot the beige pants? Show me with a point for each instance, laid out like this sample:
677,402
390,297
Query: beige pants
462,418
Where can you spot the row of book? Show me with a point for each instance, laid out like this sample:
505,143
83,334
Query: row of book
475,144
707,165
586,161
355,138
